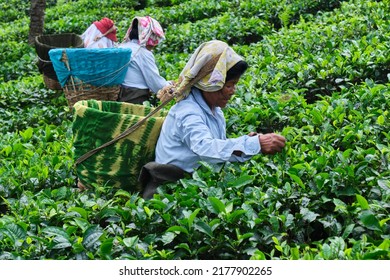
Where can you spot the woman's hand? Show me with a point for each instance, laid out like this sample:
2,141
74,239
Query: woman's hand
166,92
271,143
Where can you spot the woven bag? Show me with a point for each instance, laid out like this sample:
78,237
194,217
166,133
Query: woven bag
118,165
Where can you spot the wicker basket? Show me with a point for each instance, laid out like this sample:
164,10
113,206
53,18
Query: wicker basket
90,74
43,44
51,83
76,90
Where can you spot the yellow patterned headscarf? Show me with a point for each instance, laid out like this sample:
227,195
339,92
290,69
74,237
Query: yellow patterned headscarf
206,70
204,53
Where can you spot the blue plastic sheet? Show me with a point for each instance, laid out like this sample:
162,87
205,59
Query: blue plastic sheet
98,67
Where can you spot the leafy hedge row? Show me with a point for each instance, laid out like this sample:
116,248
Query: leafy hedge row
271,207
239,22
190,19
335,51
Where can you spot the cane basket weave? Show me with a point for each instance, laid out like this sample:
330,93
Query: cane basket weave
45,43
51,83
76,90
118,165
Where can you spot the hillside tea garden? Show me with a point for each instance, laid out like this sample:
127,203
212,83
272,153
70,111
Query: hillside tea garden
319,75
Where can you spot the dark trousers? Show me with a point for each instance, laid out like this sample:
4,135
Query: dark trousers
154,174
133,95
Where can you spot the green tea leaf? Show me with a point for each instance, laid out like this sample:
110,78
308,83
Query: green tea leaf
148,211
380,120
60,242
106,246
235,215
376,255
241,181
362,202
308,215
27,134
82,223
317,117
168,237
258,255
184,246
192,217
370,221
55,231
297,180
348,230
123,193
246,235
205,228
294,253
130,242
326,251
177,229
217,204
79,210
91,236
14,232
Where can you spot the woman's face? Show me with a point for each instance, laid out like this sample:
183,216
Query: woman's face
221,97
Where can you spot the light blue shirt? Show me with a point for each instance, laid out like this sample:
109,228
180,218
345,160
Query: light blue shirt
142,72
192,133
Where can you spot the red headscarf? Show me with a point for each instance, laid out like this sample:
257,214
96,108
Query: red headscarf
104,25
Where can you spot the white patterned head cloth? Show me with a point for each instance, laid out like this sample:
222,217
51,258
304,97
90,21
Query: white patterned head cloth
204,53
150,32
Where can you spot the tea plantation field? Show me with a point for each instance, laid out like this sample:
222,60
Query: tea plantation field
319,75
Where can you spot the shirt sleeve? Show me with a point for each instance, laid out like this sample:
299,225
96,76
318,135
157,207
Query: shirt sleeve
150,71
198,136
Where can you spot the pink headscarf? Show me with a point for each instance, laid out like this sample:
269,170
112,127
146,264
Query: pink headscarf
150,32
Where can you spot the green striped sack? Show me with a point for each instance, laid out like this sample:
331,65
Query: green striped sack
118,165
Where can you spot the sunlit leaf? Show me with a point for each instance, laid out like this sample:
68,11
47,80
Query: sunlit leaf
131,242
362,202
14,232
168,237
308,215
61,242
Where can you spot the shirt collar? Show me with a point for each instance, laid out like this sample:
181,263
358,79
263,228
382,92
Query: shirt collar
198,97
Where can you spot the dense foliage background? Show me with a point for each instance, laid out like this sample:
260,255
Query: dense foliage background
319,75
